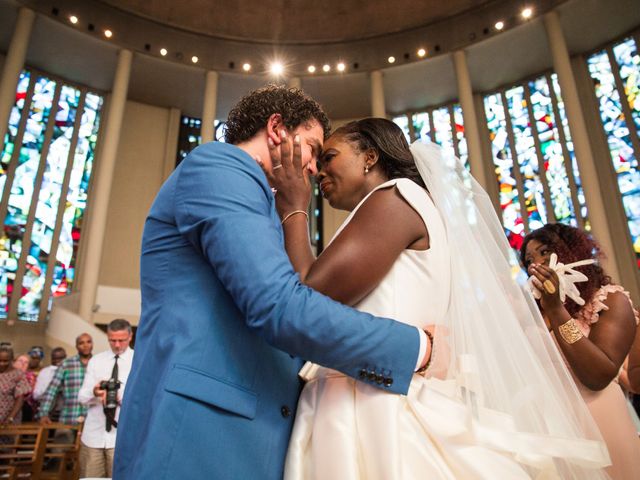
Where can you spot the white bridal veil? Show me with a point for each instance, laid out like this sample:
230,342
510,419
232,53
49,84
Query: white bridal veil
493,346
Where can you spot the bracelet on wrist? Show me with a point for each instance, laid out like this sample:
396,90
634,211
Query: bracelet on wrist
295,212
570,332
423,369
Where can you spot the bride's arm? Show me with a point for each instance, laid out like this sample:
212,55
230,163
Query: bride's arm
298,244
362,254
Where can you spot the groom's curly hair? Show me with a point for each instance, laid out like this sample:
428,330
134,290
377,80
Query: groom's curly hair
571,244
252,112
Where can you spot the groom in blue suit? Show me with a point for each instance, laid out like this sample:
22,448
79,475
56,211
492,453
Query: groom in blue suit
226,322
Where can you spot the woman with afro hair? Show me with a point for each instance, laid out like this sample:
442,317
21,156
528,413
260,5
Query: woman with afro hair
594,338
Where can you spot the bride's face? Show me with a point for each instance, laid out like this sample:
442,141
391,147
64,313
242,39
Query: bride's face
341,173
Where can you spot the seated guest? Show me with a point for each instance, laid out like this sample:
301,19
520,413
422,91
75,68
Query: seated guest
593,330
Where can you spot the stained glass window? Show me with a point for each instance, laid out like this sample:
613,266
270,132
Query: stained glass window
44,196
463,152
422,126
616,73
503,160
533,154
403,122
443,125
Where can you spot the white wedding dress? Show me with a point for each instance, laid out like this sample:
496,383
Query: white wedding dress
349,430
497,401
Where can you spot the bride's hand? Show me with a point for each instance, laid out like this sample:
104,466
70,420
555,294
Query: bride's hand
287,175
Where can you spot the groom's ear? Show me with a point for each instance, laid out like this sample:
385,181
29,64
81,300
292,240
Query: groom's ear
274,126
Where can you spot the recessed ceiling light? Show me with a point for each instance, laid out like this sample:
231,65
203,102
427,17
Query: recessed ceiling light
422,52
499,25
391,59
326,68
194,59
163,51
527,12
341,67
73,19
311,69
246,67
277,68
108,33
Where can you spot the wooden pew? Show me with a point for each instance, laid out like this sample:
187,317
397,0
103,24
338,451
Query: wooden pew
22,450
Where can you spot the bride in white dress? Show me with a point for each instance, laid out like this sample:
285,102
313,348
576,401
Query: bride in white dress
496,401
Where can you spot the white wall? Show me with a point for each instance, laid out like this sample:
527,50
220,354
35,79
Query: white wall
146,137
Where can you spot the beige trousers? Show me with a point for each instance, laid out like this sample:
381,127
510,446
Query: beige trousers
95,462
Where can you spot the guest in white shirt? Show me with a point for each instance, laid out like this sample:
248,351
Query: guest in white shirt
99,434
45,376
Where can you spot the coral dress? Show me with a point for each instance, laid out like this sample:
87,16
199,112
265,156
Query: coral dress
609,406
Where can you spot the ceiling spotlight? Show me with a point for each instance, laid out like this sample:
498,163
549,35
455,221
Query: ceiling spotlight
163,51
246,67
422,52
326,68
277,68
499,25
341,67
311,69
527,12
391,59
108,33
194,59
73,19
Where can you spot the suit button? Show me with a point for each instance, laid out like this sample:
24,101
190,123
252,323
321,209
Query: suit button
388,382
362,373
285,411
372,376
379,379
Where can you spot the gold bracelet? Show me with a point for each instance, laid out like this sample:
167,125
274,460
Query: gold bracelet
570,332
289,215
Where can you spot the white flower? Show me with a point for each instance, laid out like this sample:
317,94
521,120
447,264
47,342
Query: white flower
567,278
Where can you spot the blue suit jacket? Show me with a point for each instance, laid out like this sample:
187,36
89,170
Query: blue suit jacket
225,323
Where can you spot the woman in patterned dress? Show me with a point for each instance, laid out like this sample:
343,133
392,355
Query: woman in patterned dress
13,388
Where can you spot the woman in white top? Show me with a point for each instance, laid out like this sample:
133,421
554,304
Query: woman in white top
419,246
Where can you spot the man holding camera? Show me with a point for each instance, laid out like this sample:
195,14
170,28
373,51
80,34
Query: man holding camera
102,391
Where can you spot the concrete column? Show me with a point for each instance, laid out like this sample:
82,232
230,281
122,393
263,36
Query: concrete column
171,146
580,136
295,82
13,64
377,95
101,188
209,107
471,129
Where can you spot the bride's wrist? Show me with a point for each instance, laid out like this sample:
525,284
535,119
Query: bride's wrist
294,213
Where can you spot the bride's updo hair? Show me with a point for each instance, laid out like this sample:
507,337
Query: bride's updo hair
388,141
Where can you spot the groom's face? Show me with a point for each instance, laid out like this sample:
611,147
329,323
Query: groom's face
311,137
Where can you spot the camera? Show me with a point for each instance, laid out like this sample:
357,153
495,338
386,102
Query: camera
111,386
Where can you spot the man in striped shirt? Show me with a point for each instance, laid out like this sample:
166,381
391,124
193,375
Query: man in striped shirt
67,382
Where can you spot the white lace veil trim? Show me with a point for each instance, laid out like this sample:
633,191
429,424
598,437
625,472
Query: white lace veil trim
493,343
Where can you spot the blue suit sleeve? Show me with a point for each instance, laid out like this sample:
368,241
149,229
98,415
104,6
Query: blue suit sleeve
224,207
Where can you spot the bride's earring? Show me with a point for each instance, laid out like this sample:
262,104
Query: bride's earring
366,169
